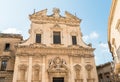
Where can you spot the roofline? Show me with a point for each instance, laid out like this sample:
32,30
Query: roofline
10,35
103,65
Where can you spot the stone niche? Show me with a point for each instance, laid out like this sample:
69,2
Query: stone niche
58,70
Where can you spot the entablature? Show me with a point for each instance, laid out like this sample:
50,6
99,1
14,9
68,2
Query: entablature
37,51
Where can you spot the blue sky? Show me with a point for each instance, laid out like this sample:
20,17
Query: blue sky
14,17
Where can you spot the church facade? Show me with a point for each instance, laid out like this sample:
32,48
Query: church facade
55,51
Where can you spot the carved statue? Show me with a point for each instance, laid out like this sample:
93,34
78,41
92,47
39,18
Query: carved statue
56,12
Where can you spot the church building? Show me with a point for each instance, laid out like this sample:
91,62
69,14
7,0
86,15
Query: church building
54,51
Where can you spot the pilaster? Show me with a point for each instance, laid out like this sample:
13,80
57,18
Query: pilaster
16,69
71,78
43,70
30,69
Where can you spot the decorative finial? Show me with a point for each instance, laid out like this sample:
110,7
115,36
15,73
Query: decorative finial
75,14
34,11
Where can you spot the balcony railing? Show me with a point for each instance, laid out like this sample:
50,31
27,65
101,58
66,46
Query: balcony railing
78,80
36,80
90,80
21,80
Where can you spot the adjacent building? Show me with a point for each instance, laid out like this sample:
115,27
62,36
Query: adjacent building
7,55
105,72
55,51
114,35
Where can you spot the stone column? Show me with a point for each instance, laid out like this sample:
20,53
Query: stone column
71,76
16,69
29,69
43,69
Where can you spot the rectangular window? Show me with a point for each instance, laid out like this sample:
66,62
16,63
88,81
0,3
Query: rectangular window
3,65
38,38
7,46
74,41
56,38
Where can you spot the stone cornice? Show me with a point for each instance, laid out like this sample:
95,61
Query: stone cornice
4,35
43,20
35,51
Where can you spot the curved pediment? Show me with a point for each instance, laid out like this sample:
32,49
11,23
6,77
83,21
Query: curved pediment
70,16
42,17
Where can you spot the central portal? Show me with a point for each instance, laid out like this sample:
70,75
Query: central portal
58,79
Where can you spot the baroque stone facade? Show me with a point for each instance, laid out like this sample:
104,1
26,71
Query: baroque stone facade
114,35
54,51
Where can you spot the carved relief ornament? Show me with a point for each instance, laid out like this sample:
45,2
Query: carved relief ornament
88,67
36,67
57,65
77,67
